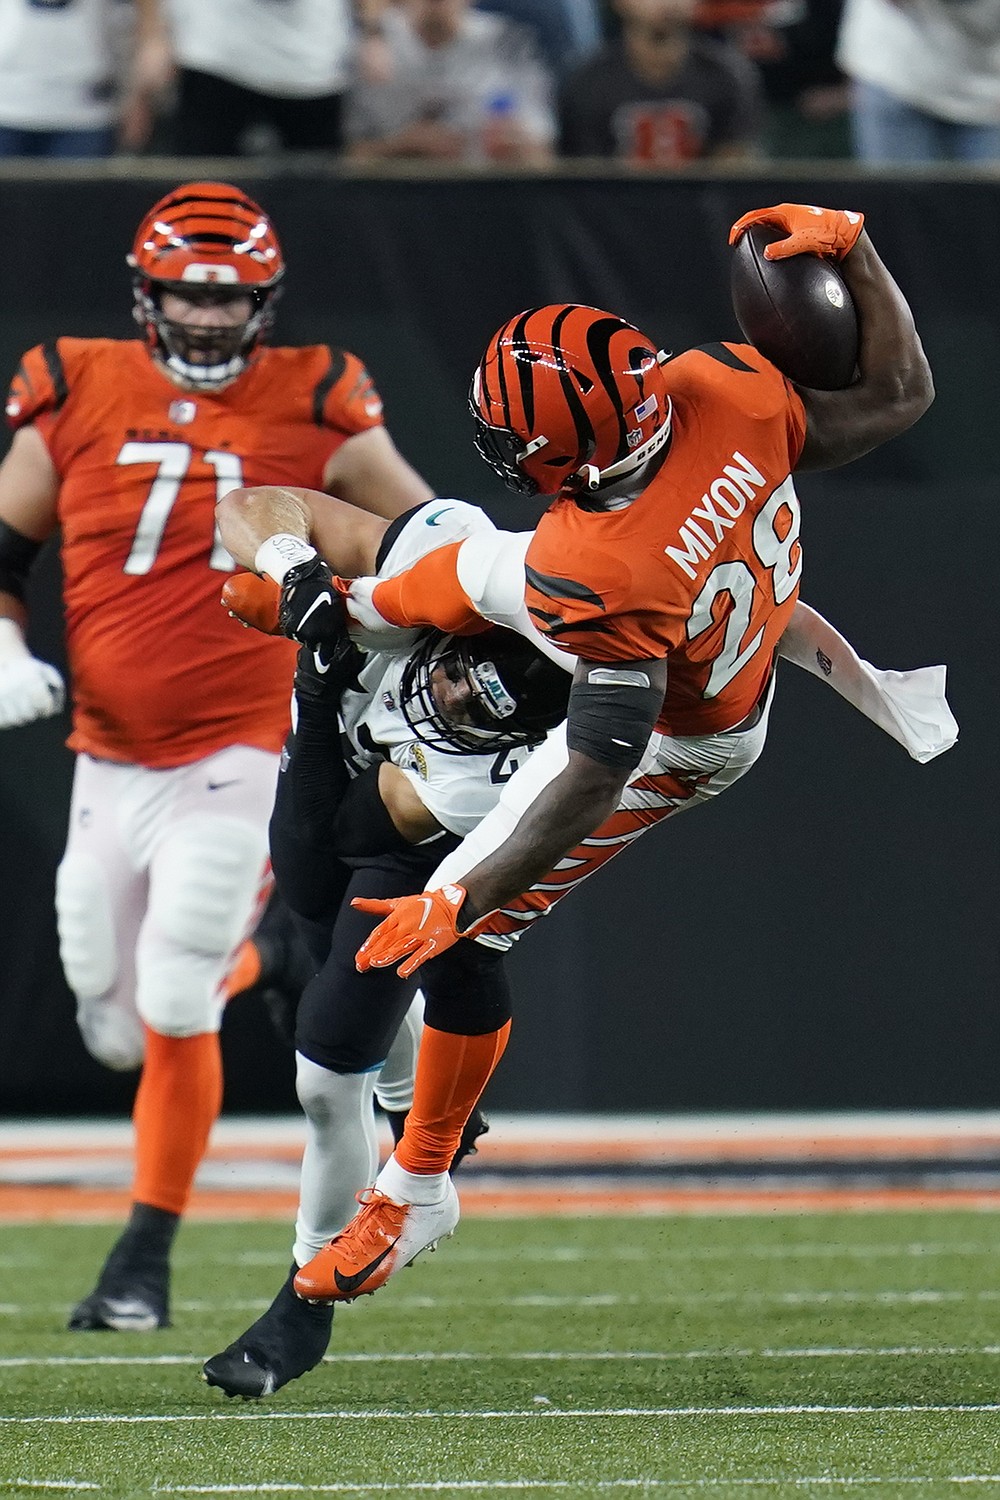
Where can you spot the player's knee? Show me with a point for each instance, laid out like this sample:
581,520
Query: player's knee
466,990
178,992
111,1034
205,883
111,1031
331,1100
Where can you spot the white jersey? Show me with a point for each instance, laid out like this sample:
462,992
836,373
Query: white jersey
58,64
940,56
298,49
459,789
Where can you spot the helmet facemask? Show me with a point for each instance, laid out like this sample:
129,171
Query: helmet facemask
514,695
229,347
504,451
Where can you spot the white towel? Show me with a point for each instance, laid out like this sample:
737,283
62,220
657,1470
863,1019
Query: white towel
909,706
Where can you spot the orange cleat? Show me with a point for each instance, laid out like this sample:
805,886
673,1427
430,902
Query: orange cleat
382,1237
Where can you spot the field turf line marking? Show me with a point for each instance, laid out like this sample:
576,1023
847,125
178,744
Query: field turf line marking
482,1485
488,1486
554,1356
537,1413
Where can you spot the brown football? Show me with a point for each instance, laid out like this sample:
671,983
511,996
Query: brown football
797,312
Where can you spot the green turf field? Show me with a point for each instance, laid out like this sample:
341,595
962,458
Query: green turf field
807,1355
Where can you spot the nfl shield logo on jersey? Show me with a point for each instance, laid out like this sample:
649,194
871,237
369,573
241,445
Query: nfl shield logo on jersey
182,412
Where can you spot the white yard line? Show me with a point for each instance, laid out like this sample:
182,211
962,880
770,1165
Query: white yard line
915,1297
540,1412
483,1486
554,1356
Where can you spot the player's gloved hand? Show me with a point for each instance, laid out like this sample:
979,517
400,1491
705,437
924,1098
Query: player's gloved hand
421,926
253,601
809,230
29,689
323,672
312,604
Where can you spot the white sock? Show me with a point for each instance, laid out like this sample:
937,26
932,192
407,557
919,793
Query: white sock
394,1083
411,1187
341,1153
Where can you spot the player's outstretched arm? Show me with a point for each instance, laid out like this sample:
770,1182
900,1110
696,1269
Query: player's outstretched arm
348,538
612,711
894,386
29,486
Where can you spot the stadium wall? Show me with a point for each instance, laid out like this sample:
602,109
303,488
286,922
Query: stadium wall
823,938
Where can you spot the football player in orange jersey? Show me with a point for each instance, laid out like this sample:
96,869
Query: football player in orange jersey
669,563
179,715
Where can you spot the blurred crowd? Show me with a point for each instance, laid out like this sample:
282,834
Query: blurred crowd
655,83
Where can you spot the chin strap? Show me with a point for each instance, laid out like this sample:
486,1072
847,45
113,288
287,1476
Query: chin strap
589,477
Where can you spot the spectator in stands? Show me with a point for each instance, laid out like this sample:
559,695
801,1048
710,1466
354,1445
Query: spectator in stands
662,93
567,30
77,80
805,92
463,85
254,75
926,79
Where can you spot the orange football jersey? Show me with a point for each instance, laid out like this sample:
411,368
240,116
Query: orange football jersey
703,568
161,674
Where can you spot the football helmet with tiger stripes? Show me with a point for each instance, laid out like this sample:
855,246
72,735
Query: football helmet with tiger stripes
569,398
206,242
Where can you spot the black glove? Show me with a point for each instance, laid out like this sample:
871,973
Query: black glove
322,672
311,610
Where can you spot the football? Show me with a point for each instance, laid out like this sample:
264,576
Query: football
798,312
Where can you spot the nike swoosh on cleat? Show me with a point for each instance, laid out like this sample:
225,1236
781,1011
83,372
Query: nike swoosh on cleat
216,786
433,520
355,1282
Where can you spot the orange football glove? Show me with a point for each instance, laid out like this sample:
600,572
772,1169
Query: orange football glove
420,926
253,601
810,231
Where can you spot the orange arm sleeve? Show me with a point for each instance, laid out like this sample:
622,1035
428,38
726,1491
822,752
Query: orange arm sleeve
429,593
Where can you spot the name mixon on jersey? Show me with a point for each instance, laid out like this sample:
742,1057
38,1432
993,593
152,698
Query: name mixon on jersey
735,486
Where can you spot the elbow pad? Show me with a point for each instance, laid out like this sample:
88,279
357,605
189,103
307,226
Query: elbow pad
612,712
17,553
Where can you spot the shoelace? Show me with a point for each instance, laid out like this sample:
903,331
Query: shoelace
368,1230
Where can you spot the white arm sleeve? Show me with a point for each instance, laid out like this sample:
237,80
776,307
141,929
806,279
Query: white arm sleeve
491,571
517,796
909,706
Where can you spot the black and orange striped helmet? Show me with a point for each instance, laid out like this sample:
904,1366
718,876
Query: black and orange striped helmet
571,398
205,241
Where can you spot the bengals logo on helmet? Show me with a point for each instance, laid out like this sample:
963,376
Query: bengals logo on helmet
202,239
569,397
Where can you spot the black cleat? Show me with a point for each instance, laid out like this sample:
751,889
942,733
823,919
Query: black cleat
287,1341
132,1294
122,1310
475,1126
